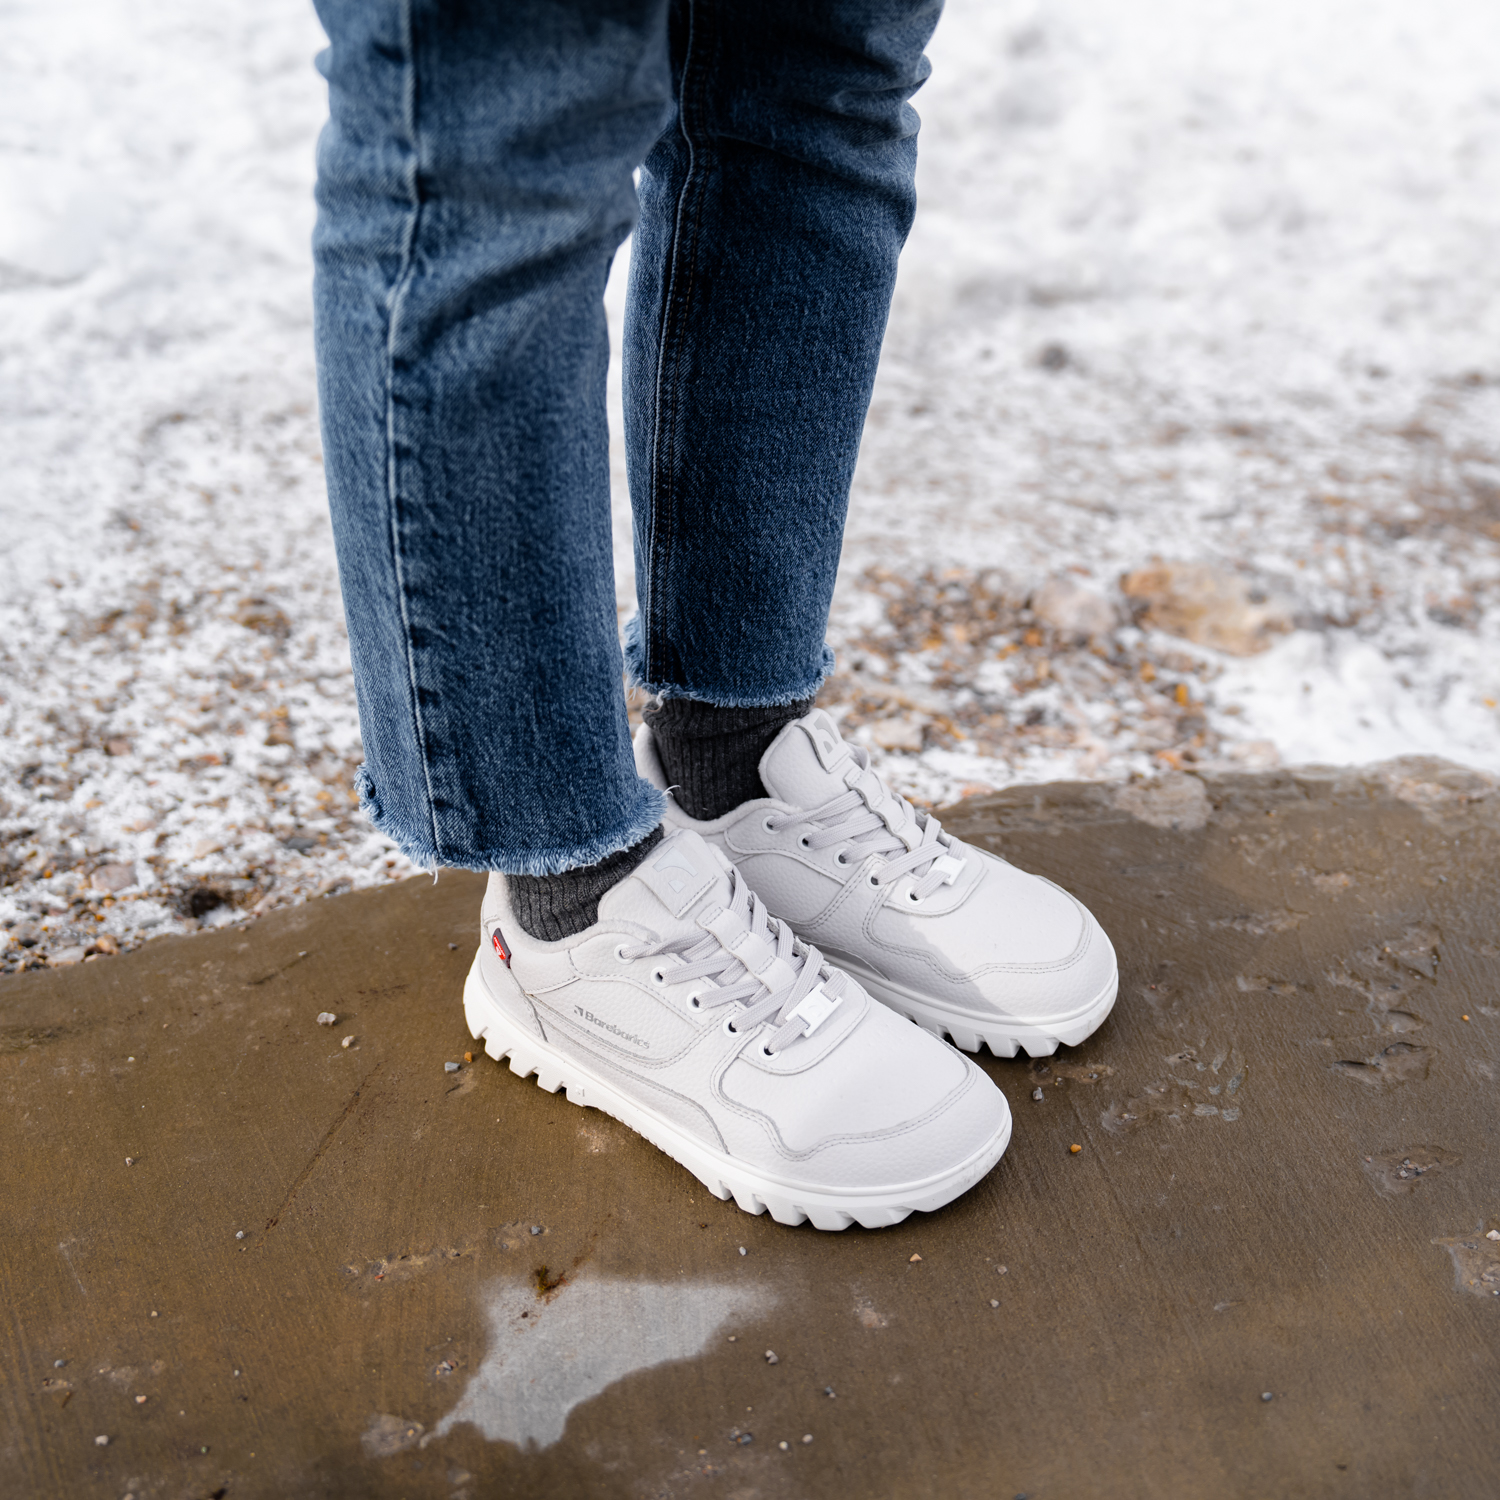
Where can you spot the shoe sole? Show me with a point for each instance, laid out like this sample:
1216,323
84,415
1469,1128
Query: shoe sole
1004,1038
723,1176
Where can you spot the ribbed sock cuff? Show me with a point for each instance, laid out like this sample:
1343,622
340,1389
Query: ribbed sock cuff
711,755
553,907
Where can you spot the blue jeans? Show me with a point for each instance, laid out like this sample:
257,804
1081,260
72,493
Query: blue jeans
475,179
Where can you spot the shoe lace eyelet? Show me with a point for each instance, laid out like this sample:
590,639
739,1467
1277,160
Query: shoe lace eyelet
620,953
805,842
730,1029
841,858
694,1002
766,1052
768,823
874,880
658,977
914,898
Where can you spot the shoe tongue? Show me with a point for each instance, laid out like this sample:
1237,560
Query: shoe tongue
680,873
806,763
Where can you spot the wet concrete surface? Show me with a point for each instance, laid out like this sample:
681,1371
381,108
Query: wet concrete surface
1267,1272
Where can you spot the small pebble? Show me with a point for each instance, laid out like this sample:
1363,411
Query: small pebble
733,1337
140,1400
102,1441
131,1059
347,1042
536,1228
130,1161
153,1312
1074,1150
807,1437
1265,1395
57,1364
1465,1018
994,1302
743,1251
745,1437
771,1358
828,1390
239,1234
783,1446
914,1260
1003,1270
453,947
236,1372
450,1067
1038,1095
1494,1234
468,1057
326,1018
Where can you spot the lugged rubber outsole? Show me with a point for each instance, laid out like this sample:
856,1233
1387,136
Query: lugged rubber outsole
723,1176
1004,1038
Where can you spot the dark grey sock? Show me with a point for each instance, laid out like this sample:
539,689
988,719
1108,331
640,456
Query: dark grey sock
553,907
711,755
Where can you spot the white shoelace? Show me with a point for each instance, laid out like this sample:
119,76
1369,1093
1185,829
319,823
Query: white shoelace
816,989
852,818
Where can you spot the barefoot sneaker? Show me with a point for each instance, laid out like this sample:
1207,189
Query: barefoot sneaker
691,1015
955,938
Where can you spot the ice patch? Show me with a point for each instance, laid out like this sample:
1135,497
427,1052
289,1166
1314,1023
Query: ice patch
547,1356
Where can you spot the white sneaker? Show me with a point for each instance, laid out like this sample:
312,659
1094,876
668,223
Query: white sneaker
960,941
692,1016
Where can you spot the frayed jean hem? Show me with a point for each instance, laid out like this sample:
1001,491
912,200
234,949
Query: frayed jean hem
420,849
778,697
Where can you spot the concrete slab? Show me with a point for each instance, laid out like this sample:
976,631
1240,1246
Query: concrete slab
1267,1272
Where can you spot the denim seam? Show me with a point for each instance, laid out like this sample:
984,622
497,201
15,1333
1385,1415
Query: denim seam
668,393
394,303
645,816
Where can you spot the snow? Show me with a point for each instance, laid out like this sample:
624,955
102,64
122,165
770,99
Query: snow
1214,284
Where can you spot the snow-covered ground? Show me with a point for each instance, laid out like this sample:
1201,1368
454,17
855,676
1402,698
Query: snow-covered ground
1213,284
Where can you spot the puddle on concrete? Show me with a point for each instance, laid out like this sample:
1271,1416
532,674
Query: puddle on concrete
1404,1170
548,1354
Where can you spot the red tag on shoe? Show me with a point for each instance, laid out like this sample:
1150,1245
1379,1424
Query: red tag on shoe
500,948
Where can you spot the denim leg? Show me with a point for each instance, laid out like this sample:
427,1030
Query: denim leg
772,215
474,183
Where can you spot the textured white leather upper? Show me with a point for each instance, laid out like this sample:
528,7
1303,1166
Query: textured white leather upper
990,942
865,1100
